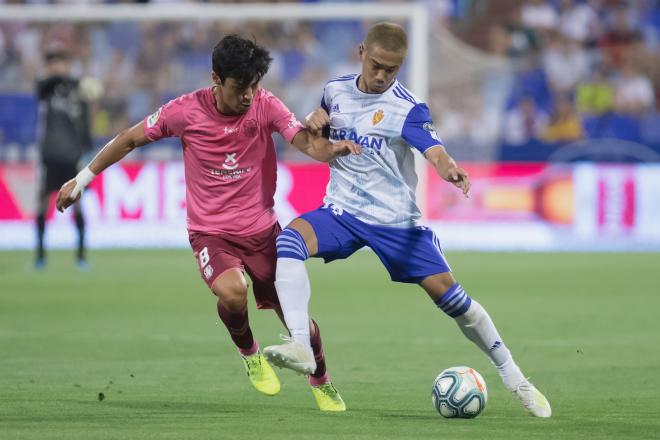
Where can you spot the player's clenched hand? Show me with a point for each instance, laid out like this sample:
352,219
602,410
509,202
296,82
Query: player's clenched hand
316,120
460,179
64,199
344,148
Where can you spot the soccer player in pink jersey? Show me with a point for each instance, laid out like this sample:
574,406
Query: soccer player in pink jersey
230,172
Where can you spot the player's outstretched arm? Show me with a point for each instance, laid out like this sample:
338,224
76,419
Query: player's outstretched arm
112,152
320,148
447,168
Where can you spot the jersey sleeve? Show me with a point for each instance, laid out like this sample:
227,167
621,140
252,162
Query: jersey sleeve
281,119
418,129
168,121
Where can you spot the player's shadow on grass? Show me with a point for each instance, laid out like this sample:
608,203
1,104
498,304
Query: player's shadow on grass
393,414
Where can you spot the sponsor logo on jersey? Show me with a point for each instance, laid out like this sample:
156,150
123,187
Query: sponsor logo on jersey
378,116
431,129
230,174
231,170
153,118
373,142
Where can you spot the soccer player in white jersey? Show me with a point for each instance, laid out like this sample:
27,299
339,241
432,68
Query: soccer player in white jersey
370,201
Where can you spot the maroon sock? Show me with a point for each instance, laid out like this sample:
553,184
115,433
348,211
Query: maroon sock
317,348
238,326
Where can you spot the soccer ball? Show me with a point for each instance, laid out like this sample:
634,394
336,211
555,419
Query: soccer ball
459,392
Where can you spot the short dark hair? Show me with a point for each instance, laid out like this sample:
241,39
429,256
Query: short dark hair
241,59
389,36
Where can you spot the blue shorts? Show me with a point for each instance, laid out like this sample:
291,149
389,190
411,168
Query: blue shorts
408,254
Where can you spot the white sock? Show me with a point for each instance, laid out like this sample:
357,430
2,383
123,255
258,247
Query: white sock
293,290
479,328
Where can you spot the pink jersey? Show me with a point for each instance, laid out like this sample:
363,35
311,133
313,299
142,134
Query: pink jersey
229,161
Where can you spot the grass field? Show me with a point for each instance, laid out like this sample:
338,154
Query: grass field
141,329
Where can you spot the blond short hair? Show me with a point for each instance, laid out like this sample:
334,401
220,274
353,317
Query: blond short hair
389,36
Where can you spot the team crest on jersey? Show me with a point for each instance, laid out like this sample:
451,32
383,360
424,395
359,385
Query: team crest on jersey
153,118
250,128
230,162
378,116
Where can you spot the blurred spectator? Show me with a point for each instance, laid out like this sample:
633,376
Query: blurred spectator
649,16
522,39
565,63
565,124
595,96
525,122
539,14
634,92
448,121
579,21
622,39
531,82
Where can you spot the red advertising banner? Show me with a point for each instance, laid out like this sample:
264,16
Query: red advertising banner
539,206
153,191
505,192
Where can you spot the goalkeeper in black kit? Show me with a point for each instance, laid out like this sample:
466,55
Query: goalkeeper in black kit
63,137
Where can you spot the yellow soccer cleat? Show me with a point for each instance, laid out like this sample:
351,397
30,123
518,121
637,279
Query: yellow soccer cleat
261,374
328,398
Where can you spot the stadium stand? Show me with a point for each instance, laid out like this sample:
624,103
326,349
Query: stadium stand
525,73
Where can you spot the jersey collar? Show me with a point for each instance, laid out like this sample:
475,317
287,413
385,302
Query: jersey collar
355,85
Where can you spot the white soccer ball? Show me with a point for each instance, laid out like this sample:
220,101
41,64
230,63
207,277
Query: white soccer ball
459,392
91,88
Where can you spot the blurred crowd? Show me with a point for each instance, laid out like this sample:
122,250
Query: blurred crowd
570,70
137,66
575,71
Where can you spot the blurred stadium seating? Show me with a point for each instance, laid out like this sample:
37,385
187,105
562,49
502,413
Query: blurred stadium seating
544,73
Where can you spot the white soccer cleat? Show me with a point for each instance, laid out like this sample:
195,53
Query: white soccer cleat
292,355
533,399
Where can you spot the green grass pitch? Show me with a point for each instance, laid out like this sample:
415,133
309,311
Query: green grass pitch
141,328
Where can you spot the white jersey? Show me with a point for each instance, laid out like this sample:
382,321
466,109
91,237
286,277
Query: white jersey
377,186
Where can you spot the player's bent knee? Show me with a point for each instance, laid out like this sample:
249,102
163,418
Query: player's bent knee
231,288
291,244
307,232
439,284
233,301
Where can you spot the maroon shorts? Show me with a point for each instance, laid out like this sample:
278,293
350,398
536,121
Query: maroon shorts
255,254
